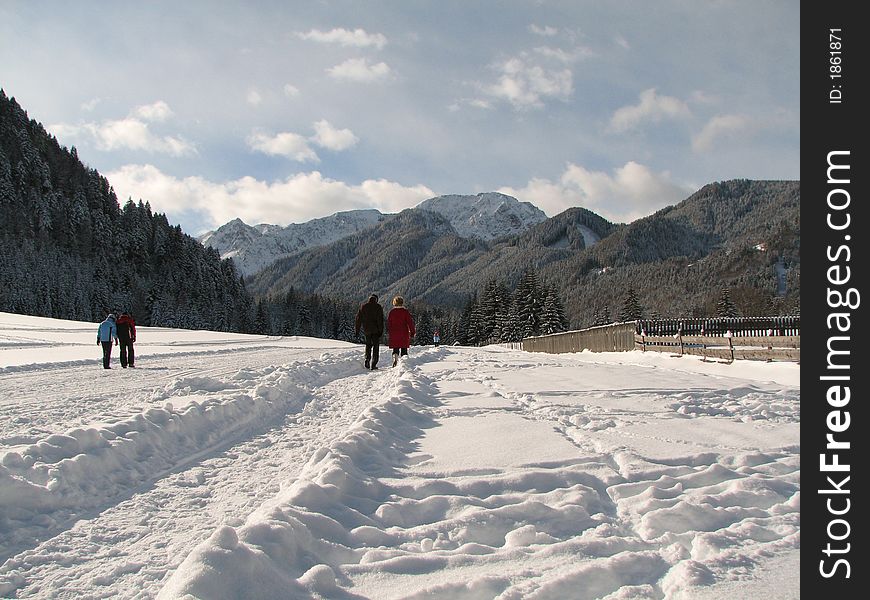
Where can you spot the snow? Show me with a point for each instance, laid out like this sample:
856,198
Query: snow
487,216
254,248
243,466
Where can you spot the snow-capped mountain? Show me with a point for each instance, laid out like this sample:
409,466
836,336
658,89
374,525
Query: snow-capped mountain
254,247
486,216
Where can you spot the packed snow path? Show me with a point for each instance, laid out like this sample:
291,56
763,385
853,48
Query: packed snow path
280,471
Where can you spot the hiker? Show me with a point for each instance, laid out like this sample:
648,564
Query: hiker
127,335
106,332
400,327
370,317
436,337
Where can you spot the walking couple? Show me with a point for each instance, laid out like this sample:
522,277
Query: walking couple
400,328
123,332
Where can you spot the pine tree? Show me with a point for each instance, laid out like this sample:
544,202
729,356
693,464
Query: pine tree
553,318
602,316
465,334
529,304
424,329
725,307
631,308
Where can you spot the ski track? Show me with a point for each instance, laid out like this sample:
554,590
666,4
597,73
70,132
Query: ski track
353,437
372,509
129,547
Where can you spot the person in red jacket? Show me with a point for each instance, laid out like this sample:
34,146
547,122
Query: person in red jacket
127,335
400,328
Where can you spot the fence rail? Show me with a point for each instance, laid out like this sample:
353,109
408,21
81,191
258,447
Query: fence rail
721,326
728,348
747,338
618,337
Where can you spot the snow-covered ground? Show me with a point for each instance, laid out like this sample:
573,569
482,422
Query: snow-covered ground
238,466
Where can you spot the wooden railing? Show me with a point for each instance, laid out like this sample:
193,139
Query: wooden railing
728,348
752,338
618,337
721,326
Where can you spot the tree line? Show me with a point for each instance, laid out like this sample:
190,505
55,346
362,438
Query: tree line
68,249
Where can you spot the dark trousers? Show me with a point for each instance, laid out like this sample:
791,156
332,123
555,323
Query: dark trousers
403,350
107,354
127,354
373,346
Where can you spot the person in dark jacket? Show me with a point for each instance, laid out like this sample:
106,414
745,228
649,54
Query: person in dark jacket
106,332
370,318
400,328
127,335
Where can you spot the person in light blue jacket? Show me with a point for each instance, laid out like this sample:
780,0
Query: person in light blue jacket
106,332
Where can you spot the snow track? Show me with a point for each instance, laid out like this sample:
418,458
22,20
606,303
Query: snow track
288,471
212,447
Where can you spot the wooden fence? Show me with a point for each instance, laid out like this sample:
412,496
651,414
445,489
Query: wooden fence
618,337
749,338
728,348
721,326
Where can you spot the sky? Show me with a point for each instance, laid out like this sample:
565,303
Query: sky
280,112
243,466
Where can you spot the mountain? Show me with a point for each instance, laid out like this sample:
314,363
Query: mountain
253,248
739,234
486,216
414,249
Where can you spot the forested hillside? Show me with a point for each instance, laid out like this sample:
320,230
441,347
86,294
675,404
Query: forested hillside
68,250
741,237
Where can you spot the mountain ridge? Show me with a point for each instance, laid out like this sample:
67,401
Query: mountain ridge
680,258
485,216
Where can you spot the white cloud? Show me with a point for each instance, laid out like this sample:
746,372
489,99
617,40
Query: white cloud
543,30
651,108
291,91
253,98
91,104
564,56
721,126
527,85
630,192
358,38
290,145
159,111
359,69
329,137
129,133
298,198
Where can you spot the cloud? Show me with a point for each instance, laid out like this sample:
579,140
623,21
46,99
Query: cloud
359,69
296,147
721,126
329,137
158,112
291,91
253,98
290,145
129,133
91,104
526,85
543,30
297,198
651,108
630,192
564,56
358,38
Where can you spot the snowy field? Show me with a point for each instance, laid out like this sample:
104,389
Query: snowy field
237,466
